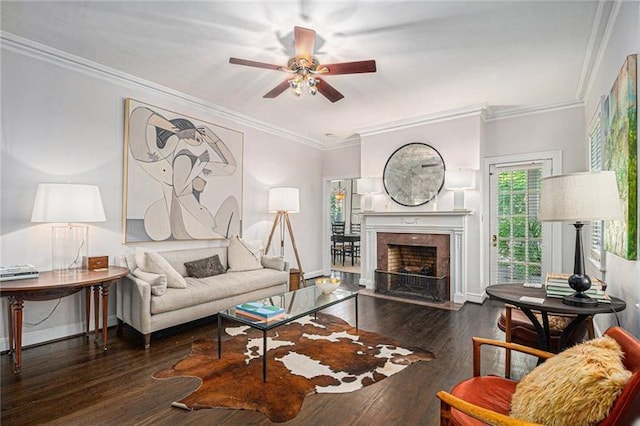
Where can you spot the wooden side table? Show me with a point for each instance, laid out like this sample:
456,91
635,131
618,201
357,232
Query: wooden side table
294,279
53,285
514,293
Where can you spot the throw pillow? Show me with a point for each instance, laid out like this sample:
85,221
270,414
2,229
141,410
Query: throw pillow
576,387
243,256
157,264
273,262
158,282
206,267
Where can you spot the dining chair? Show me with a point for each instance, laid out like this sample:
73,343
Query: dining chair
337,242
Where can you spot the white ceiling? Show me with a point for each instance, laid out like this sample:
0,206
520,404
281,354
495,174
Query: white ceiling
433,57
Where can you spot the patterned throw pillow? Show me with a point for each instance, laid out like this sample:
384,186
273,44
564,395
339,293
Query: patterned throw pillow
206,267
575,387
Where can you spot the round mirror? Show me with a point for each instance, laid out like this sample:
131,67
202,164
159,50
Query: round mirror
414,174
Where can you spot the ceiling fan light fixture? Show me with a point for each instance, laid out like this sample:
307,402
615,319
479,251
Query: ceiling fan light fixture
304,66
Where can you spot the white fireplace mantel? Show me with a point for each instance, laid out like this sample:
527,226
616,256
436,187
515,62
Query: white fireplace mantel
452,222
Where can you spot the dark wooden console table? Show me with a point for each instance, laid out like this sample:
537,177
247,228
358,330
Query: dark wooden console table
513,293
54,285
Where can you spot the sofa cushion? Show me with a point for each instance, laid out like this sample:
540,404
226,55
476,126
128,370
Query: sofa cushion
158,282
203,290
273,262
576,387
243,256
154,262
202,268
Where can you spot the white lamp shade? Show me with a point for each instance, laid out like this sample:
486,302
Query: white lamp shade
369,185
580,197
67,203
284,199
459,179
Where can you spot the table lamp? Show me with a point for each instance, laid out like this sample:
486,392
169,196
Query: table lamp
368,187
70,204
283,201
459,180
578,198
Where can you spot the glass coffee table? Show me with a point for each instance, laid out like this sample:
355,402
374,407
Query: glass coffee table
296,304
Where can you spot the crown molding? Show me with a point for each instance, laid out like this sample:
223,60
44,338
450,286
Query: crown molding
587,68
512,112
46,53
477,109
613,16
484,110
344,143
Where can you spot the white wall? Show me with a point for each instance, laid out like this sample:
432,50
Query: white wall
342,162
622,276
64,123
458,141
562,129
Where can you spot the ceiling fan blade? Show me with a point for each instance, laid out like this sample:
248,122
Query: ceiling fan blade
350,67
277,90
254,64
305,40
329,91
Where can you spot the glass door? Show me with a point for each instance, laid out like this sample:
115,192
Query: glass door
520,244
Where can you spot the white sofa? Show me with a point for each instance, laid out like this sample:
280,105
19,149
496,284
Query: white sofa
203,297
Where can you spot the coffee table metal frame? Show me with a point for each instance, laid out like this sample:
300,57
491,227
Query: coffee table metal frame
313,301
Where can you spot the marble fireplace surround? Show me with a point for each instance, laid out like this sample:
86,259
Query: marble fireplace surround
452,223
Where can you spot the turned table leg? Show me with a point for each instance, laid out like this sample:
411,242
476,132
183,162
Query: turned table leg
105,302
16,311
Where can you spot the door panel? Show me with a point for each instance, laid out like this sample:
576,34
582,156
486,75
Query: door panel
520,244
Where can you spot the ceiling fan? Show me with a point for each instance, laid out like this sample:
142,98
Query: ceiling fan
305,70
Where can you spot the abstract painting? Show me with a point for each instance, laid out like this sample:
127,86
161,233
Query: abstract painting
621,155
182,177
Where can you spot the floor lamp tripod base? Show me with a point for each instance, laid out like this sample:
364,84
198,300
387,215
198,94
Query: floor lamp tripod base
282,218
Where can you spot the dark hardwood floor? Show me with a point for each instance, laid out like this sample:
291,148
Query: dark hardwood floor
74,382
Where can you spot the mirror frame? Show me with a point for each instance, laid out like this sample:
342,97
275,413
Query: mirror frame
409,149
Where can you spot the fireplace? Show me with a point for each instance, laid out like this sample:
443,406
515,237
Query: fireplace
442,227
413,265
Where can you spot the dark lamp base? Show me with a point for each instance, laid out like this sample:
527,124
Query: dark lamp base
579,299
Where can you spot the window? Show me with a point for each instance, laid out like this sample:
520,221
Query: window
596,161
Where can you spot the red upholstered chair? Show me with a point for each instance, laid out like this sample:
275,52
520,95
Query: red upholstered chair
487,399
519,329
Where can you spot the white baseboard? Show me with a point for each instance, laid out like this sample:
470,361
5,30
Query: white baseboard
476,298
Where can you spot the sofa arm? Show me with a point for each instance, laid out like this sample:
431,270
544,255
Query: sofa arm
134,303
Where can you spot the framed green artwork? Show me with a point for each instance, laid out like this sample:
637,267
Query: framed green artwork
621,155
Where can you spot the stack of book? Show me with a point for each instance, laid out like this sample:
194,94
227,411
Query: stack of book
557,285
260,311
18,272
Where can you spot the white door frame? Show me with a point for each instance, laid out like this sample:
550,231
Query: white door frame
326,231
485,235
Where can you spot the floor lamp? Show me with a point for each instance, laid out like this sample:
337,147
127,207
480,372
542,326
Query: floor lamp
283,201
579,198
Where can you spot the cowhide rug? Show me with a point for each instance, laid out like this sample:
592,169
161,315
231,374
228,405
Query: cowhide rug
306,356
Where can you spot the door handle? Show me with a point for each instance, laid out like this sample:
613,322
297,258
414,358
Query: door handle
494,240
